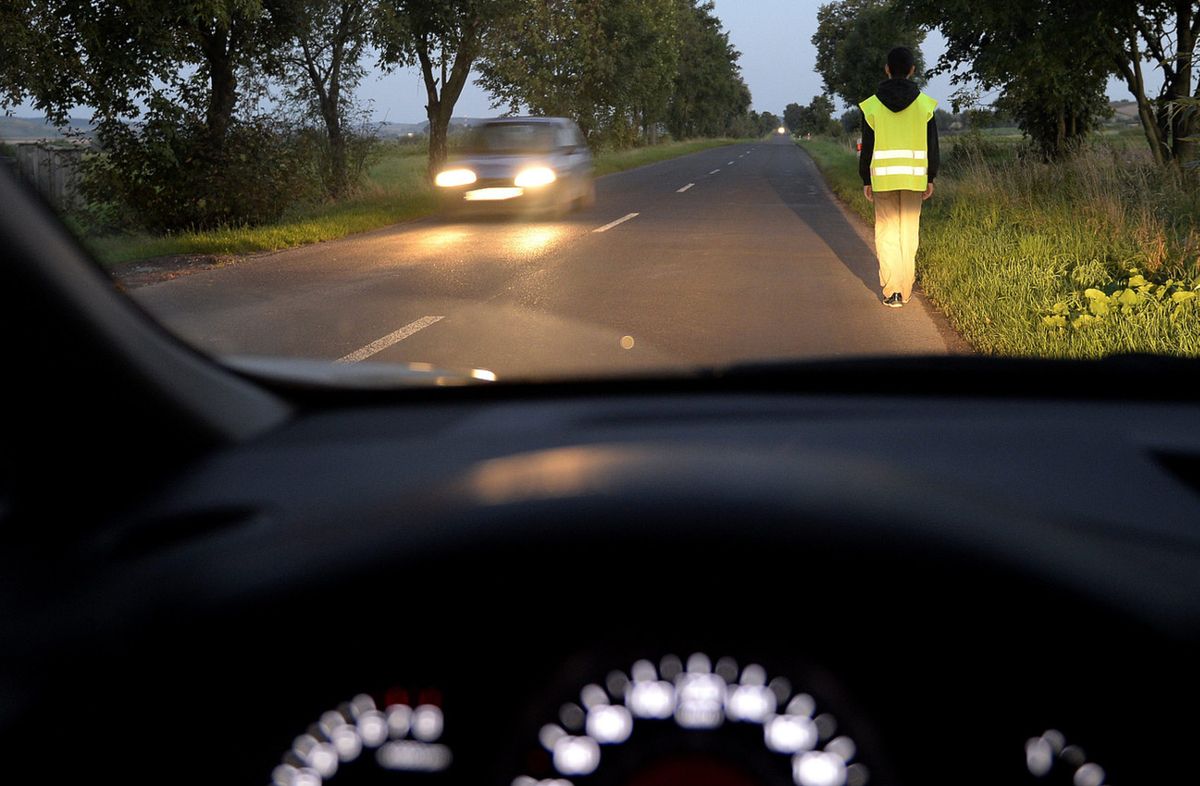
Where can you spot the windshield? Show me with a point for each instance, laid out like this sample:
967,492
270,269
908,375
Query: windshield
685,185
513,138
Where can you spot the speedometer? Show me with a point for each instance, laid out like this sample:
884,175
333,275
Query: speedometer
695,722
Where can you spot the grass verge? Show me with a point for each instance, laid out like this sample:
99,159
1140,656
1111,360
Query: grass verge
395,190
1095,256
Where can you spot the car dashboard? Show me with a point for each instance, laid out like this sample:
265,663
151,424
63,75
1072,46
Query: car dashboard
634,590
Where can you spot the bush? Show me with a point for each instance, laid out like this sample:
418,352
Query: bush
168,174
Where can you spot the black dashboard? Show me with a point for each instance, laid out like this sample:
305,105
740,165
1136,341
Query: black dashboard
633,590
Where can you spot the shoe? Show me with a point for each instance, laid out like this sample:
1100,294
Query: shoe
894,300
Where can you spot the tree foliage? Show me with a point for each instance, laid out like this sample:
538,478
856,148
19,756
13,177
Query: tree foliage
1055,92
811,119
443,38
319,69
853,39
620,68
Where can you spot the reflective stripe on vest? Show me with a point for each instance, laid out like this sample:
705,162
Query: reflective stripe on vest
901,144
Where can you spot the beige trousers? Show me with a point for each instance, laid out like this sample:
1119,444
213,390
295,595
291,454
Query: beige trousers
897,232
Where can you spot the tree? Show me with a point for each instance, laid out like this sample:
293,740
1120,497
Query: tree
1056,92
853,38
709,97
608,65
1166,33
793,116
811,119
321,68
444,38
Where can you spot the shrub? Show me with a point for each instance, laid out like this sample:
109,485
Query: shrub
168,174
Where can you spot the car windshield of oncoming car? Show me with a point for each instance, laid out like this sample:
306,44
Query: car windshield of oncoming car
515,138
538,190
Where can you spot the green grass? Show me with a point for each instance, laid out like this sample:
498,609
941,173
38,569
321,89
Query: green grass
395,190
1083,259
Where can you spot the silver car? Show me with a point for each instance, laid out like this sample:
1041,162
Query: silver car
520,164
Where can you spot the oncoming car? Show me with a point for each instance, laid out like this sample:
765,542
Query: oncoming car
524,164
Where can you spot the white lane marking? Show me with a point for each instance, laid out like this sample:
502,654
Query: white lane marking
731,163
715,171
375,347
618,222
685,188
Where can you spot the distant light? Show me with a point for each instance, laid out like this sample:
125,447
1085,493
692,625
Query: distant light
726,669
306,776
753,703
360,704
857,775
1039,756
698,663
453,178
283,775
346,742
524,780
818,769
609,725
324,759
651,699
801,704
1073,755
826,725
399,719
700,696
1055,739
643,671
483,375
627,342
782,689
535,177
844,748
670,667
782,130
754,675
1089,775
373,727
576,755
593,696
790,733
409,756
616,682
572,716
330,721
550,735
427,723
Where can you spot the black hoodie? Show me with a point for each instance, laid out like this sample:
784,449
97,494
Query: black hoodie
896,95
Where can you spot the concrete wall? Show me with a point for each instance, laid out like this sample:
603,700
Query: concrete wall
53,170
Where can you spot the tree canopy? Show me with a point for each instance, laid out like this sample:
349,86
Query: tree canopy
853,39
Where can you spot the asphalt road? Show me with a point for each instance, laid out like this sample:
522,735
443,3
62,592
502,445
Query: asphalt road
735,254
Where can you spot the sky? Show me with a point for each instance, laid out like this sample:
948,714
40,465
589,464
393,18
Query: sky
778,63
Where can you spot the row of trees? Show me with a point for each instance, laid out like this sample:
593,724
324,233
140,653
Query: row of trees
192,97
1049,60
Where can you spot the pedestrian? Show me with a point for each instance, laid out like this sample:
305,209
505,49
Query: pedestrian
898,162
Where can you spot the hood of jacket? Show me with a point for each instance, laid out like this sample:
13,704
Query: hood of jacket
897,94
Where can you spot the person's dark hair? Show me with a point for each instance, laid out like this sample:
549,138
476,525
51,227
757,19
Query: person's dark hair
900,61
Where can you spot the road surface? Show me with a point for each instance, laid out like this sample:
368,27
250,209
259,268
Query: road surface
734,254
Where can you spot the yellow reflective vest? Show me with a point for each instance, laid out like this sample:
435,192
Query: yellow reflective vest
900,159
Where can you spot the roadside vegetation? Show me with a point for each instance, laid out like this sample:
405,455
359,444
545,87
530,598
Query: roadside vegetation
1086,257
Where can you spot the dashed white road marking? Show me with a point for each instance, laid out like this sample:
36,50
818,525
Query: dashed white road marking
731,163
685,188
375,347
618,222
715,171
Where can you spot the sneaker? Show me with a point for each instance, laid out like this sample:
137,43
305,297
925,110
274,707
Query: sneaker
894,300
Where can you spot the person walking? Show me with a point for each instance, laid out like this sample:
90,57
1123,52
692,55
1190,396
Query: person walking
898,162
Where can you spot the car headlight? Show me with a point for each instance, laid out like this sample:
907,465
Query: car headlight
450,178
535,176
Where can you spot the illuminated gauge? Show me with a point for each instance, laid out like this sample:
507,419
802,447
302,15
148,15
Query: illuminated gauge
702,697
394,735
1050,756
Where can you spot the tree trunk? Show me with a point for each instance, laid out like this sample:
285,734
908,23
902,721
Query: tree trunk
439,131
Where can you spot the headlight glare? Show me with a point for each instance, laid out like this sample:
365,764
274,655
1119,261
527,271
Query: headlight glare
535,176
451,178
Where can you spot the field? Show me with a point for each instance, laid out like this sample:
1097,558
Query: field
395,189
1095,256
